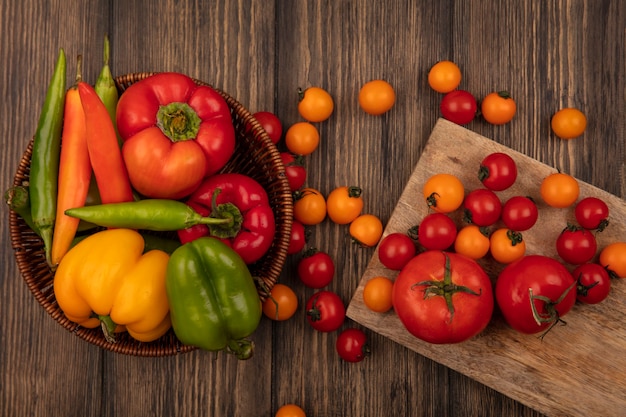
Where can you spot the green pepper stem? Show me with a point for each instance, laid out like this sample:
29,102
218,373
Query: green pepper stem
178,121
108,328
243,349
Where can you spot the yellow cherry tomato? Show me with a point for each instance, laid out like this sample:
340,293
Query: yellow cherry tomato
498,108
559,190
309,207
290,410
472,242
281,304
316,104
302,138
507,245
366,229
444,193
568,123
344,204
613,258
377,294
377,97
444,76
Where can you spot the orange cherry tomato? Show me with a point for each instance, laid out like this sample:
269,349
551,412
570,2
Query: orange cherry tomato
444,76
507,245
377,97
377,294
568,123
498,108
344,204
444,193
302,138
316,104
559,190
290,410
613,258
309,207
366,229
472,241
281,304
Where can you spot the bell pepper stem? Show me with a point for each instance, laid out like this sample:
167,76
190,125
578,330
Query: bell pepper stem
243,349
224,211
108,328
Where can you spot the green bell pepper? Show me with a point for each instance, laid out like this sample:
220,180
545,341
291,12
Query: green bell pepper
214,303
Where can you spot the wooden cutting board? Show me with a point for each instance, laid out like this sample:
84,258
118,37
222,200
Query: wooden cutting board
578,369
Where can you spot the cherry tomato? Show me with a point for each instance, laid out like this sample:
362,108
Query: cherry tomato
444,193
568,123
436,231
325,311
559,190
294,170
366,230
298,239
302,138
482,207
316,104
506,245
309,207
613,258
444,76
344,204
472,241
352,345
593,283
395,250
316,269
576,245
592,213
534,293
519,213
458,106
377,294
290,410
271,124
377,97
443,297
498,108
281,304
497,171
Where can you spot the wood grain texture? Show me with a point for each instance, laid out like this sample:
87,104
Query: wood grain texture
548,54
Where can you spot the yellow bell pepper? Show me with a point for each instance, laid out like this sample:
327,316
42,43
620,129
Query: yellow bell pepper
106,280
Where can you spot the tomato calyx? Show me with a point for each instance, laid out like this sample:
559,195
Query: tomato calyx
314,313
514,237
354,191
551,314
444,288
431,200
178,121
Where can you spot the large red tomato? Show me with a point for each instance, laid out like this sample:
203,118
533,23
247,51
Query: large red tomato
443,297
534,292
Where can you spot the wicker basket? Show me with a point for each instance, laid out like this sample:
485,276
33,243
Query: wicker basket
255,155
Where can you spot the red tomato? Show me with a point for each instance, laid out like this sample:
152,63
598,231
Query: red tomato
443,297
459,106
294,170
325,311
534,293
316,269
298,237
519,213
497,171
576,245
271,124
395,250
593,283
436,231
592,213
352,345
482,207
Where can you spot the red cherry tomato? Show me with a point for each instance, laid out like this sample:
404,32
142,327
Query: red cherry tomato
592,213
395,250
482,207
325,311
497,171
459,106
593,283
316,269
294,170
352,345
298,237
576,245
436,231
271,123
519,213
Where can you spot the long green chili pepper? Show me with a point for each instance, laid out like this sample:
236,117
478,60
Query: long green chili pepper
18,200
106,89
44,163
153,214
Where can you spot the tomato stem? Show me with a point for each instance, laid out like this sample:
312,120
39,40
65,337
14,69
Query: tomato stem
551,314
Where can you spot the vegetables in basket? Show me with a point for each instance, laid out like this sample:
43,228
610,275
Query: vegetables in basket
175,134
106,280
213,299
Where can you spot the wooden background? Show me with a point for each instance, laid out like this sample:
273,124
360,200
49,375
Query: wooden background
548,54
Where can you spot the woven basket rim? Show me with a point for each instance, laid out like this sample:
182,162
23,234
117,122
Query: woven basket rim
28,247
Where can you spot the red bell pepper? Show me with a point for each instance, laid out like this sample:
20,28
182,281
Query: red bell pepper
175,134
243,198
